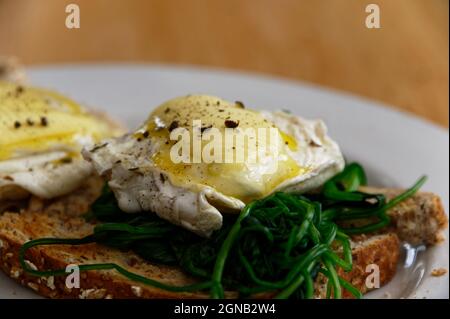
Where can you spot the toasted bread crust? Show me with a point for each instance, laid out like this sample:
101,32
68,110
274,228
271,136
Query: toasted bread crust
369,252
93,284
382,250
419,219
61,218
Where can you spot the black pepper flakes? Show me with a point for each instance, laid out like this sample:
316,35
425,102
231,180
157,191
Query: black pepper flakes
17,124
97,147
173,126
240,104
145,134
19,90
314,144
231,123
30,122
44,121
66,160
204,128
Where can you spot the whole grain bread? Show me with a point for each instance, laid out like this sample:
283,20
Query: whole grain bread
62,218
16,229
419,219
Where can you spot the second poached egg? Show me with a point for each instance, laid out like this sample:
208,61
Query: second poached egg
41,137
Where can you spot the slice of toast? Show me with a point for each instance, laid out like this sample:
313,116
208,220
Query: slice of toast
381,251
16,229
419,219
61,218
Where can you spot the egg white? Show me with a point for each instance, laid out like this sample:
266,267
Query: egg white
42,174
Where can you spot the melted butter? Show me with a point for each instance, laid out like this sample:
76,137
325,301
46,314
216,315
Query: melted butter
245,181
34,120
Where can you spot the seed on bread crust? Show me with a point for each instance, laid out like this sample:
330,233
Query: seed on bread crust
137,291
33,286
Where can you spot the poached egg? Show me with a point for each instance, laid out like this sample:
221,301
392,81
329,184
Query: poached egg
41,136
144,176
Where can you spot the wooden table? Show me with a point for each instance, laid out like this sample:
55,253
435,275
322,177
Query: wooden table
404,63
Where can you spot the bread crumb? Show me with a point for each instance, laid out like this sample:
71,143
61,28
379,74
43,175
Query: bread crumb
51,283
92,294
31,265
137,291
15,273
438,272
33,286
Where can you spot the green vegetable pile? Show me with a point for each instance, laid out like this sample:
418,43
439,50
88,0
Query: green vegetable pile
278,244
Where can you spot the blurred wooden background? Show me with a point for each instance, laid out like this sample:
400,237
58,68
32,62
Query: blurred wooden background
405,63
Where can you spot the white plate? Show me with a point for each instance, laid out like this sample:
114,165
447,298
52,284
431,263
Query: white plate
396,148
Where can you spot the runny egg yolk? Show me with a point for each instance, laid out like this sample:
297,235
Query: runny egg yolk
34,120
243,180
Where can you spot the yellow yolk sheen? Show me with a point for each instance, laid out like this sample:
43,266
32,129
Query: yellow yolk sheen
34,120
242,180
